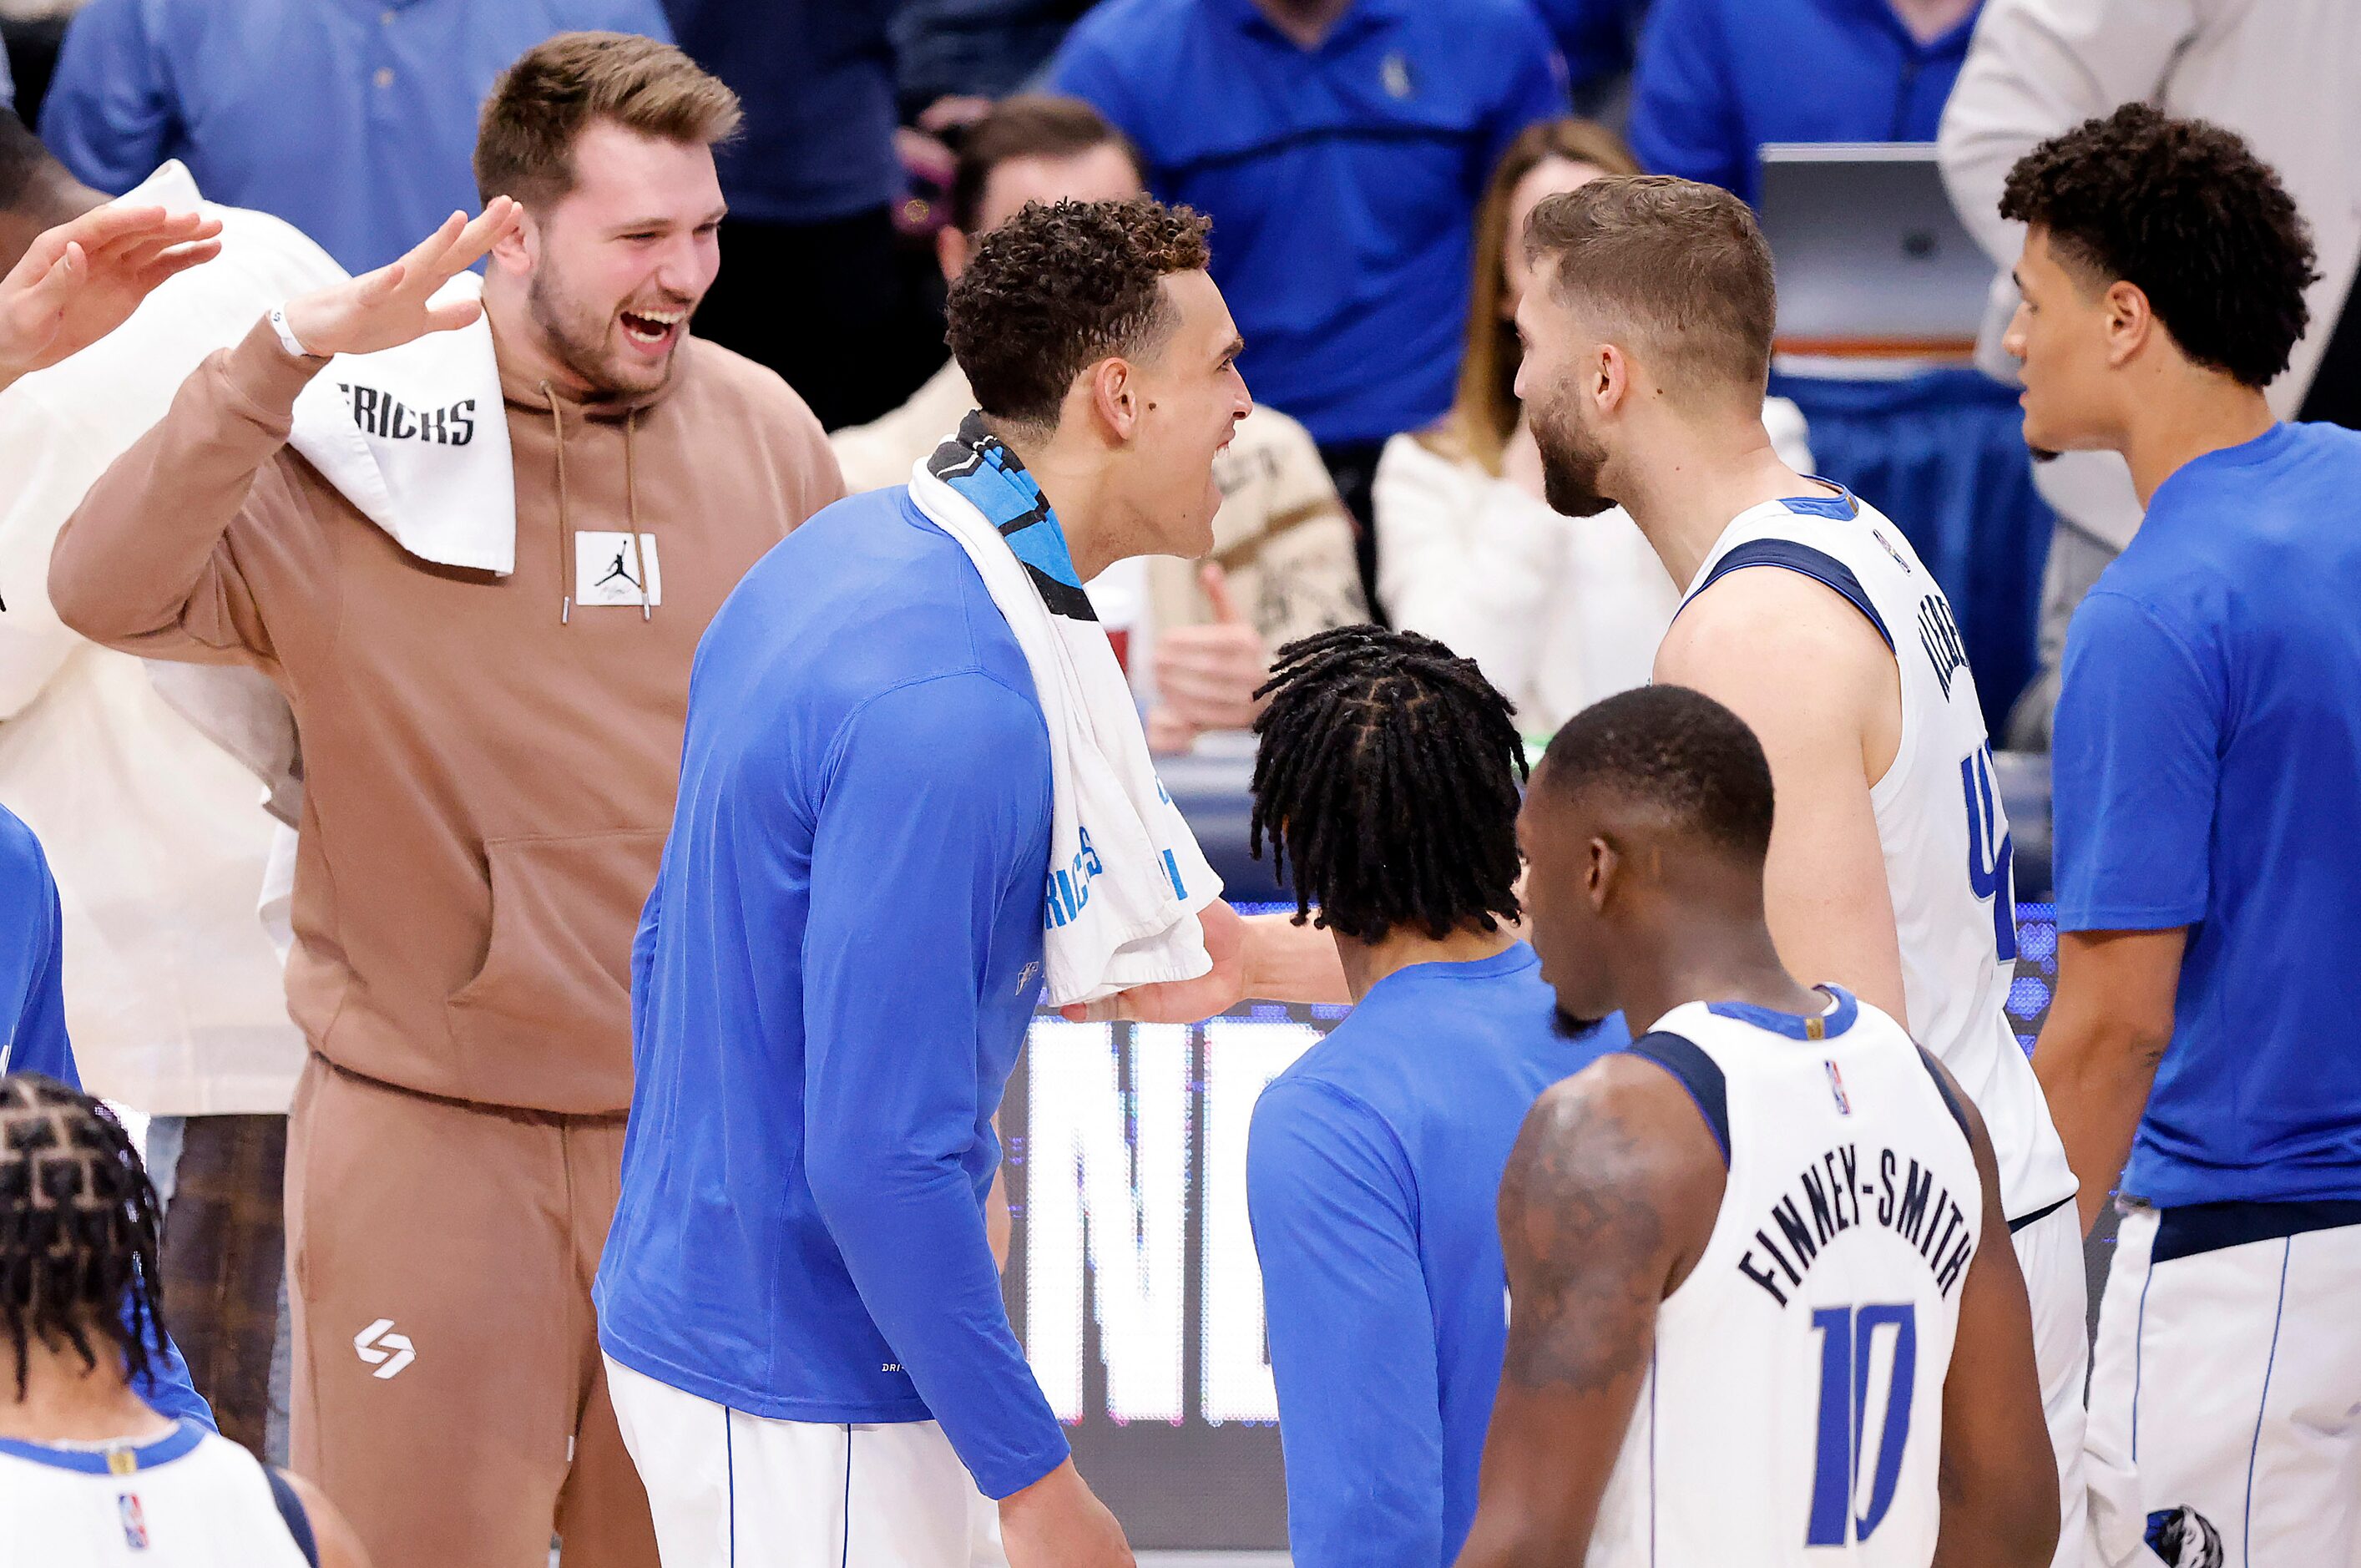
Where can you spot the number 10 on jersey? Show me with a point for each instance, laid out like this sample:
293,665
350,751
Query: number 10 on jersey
1851,1338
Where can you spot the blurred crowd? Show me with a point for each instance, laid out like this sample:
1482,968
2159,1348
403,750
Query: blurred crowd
1365,164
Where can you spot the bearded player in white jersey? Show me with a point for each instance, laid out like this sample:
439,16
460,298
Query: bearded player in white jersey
1809,615
1761,1313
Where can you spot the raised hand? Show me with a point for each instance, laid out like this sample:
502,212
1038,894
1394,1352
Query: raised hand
1183,1000
387,307
1206,676
82,279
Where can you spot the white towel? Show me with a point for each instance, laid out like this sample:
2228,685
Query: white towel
417,438
1126,877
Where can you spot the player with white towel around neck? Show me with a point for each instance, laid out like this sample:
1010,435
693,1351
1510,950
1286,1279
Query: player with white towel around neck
1648,348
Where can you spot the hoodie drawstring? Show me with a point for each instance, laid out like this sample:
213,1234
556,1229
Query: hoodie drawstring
565,528
565,517
631,510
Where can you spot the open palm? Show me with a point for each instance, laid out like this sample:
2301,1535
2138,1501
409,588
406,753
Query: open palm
82,279
389,307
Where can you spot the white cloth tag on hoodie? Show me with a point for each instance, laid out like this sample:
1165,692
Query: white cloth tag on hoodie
606,570
417,439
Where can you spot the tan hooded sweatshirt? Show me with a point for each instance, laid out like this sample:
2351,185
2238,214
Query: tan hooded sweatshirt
487,787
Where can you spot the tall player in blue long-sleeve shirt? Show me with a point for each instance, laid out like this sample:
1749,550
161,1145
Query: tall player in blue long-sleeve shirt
1388,774
33,1039
804,1327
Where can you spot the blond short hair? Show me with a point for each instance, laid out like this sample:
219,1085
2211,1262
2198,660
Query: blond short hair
524,138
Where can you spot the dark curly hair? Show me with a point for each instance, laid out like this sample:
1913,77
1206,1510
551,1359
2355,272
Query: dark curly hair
2186,212
1676,749
79,1230
1059,287
1388,773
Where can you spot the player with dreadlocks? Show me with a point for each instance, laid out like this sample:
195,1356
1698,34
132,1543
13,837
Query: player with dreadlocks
1388,782
90,1472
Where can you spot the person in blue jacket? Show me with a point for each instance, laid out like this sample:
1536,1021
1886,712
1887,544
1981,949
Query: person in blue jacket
33,1007
1388,777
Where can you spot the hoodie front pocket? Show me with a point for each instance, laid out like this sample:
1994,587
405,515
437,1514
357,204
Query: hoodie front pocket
558,963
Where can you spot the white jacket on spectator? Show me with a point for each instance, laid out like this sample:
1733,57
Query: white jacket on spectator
1558,611
2282,73
157,838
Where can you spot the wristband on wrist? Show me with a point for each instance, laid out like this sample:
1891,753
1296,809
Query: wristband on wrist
287,338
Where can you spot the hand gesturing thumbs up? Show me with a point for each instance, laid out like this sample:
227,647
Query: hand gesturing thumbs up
1207,675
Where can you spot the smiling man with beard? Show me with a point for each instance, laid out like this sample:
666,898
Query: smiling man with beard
491,760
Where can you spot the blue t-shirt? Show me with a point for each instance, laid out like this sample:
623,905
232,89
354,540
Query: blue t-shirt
816,77
33,1039
1719,77
830,984
1373,1171
2208,775
355,120
1342,180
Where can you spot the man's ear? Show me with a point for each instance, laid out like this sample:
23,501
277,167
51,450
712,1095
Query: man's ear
1602,877
2131,321
1114,397
516,251
1611,379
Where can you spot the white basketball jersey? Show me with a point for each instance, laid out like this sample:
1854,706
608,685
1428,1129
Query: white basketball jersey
189,1500
1939,819
1792,1408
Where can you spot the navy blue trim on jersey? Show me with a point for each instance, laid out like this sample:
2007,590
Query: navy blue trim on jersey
2197,1228
175,1444
1951,1104
1695,1072
293,1515
1842,506
2024,1221
1816,564
1796,1025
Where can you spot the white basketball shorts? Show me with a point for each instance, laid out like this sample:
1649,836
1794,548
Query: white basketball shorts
2049,1253
734,1490
2227,1379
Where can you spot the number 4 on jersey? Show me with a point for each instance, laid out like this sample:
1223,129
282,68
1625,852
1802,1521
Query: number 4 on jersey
1991,852
1848,1338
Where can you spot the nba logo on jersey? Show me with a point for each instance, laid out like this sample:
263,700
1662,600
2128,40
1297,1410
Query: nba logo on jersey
1836,1089
134,1520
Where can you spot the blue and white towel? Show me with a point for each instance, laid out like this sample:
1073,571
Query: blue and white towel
1126,877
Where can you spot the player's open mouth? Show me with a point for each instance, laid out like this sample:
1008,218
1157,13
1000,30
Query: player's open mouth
652,329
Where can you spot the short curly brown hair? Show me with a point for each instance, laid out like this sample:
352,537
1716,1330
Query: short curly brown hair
2185,212
1059,287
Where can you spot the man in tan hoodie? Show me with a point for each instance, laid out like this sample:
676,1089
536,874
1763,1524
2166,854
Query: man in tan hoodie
490,760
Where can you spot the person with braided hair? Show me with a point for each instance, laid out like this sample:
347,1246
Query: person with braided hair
1388,782
89,1470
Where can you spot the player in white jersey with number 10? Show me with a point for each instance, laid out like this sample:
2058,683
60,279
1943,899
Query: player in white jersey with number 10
1809,614
1761,1309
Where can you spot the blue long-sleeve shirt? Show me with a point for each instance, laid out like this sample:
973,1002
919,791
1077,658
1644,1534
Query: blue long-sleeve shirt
833,979
355,120
1373,1168
1719,77
33,1008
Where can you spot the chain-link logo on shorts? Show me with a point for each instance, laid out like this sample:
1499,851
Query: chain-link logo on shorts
384,1350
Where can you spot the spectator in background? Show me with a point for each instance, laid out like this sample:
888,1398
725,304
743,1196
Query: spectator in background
975,48
157,833
1598,40
1558,611
491,685
1340,147
1282,564
817,289
351,122
2279,75
1717,78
